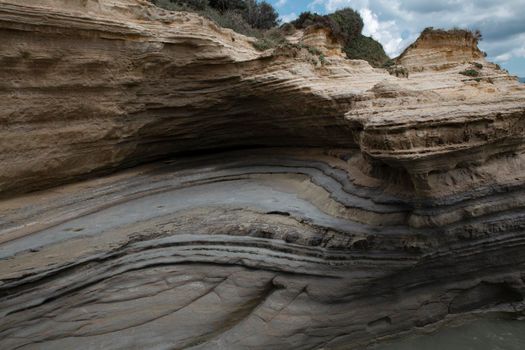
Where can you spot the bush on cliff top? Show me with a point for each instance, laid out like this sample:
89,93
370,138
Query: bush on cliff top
259,19
473,34
470,72
249,17
243,16
346,25
366,48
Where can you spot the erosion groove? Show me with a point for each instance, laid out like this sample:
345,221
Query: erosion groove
165,185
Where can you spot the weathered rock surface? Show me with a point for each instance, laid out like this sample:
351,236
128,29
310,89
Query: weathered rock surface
437,49
300,203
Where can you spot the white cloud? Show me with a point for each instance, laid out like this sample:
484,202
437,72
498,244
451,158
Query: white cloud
516,52
281,3
333,5
520,52
387,32
503,58
315,4
289,17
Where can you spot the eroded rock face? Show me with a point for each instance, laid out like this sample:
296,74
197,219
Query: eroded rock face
323,40
95,91
330,204
437,49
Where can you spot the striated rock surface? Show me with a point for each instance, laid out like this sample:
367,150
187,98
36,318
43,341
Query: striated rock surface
437,49
263,200
322,40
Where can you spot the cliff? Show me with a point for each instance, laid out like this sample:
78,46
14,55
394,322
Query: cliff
441,49
166,185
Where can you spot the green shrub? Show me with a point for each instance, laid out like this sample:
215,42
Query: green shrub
260,15
226,5
231,19
470,73
366,48
181,5
243,16
168,5
322,59
471,34
349,22
288,29
270,39
389,63
306,19
477,65
263,44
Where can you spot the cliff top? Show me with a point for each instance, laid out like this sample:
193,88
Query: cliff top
440,49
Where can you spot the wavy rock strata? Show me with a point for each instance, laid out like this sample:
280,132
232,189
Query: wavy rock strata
301,203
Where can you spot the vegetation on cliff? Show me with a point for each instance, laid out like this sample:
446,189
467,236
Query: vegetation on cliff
470,72
248,17
474,35
259,19
346,25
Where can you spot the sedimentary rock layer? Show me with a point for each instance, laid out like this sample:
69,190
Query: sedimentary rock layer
258,249
301,203
94,91
90,86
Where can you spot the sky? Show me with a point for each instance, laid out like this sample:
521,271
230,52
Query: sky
397,23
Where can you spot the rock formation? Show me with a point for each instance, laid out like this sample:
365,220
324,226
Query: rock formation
440,49
196,193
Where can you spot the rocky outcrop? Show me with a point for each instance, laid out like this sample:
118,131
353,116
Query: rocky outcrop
437,49
323,40
265,200
95,91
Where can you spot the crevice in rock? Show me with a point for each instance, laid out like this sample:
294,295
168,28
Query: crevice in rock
484,295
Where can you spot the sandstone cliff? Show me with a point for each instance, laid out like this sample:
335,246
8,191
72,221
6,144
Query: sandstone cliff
439,49
295,201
